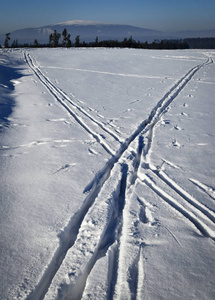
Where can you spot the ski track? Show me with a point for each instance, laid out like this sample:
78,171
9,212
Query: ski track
209,190
67,102
108,204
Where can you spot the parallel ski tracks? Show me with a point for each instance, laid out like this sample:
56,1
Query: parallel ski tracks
116,207
70,106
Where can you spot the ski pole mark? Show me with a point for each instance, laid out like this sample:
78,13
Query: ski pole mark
173,235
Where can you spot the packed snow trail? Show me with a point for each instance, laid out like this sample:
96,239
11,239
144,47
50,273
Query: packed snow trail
108,205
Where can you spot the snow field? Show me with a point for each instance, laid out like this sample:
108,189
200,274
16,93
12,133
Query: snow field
108,175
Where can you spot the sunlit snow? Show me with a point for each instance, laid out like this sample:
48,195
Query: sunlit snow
107,174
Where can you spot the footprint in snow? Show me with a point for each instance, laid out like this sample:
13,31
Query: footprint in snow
184,114
177,127
100,116
92,152
134,101
176,144
65,167
165,122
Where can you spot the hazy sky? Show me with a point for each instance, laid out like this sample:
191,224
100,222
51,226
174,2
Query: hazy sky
165,15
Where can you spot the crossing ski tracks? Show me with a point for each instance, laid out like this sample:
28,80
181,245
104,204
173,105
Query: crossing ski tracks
102,227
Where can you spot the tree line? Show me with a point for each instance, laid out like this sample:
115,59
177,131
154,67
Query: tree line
64,40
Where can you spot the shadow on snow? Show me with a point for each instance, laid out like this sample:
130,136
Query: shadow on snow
7,101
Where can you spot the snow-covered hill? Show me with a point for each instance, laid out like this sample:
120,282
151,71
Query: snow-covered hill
87,30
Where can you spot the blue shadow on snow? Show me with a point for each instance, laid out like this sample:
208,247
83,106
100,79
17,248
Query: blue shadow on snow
7,102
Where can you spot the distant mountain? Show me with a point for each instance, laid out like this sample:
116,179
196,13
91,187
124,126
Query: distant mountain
89,30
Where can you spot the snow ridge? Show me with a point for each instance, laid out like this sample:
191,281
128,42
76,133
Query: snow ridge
79,22
101,227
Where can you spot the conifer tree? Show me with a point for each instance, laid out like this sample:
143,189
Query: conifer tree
14,44
56,37
77,41
50,39
64,34
69,43
7,38
66,39
96,41
36,44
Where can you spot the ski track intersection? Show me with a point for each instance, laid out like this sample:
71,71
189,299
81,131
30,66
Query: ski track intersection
140,219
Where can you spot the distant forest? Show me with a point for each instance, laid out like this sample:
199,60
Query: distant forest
64,40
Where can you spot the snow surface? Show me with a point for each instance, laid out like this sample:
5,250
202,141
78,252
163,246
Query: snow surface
79,22
107,174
